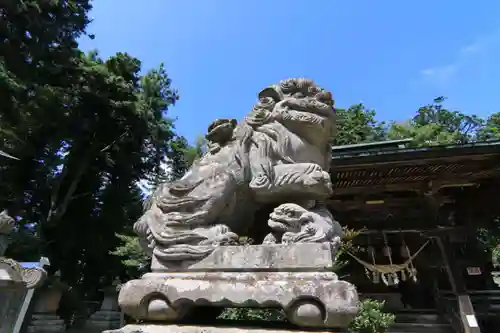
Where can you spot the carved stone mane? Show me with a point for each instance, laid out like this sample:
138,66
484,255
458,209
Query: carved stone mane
279,153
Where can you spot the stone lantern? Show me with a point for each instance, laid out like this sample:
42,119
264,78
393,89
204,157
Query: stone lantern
109,315
44,316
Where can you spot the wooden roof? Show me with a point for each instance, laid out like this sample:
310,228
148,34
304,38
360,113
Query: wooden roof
396,169
381,181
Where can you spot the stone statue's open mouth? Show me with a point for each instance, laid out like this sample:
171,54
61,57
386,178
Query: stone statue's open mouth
310,105
283,219
306,118
279,220
279,225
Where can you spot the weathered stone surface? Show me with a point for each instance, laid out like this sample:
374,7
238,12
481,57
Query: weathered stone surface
44,317
276,158
279,154
11,301
291,223
12,275
6,223
15,276
310,299
201,329
297,257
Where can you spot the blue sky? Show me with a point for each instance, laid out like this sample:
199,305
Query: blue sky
391,55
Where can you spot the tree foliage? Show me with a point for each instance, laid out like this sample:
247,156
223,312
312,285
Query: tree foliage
85,131
372,318
357,124
433,124
193,153
133,255
491,128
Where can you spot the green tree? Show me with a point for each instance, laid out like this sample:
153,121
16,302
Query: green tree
94,195
85,130
130,250
357,124
193,153
434,124
491,128
37,48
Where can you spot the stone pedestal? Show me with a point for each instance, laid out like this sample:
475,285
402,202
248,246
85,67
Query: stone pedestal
296,278
44,318
108,316
46,323
203,329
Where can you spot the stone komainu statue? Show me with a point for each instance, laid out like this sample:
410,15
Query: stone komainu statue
278,155
272,165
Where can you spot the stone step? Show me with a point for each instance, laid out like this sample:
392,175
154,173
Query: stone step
421,328
419,318
483,305
415,322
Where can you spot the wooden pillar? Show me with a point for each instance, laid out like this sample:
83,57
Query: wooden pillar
465,307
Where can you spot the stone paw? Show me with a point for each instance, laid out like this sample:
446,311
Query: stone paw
319,181
260,182
270,239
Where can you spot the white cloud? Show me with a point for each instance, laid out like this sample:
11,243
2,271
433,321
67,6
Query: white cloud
440,75
475,47
465,56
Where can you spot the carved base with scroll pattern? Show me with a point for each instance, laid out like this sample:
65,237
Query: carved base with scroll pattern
296,278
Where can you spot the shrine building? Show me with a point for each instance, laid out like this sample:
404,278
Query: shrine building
419,211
